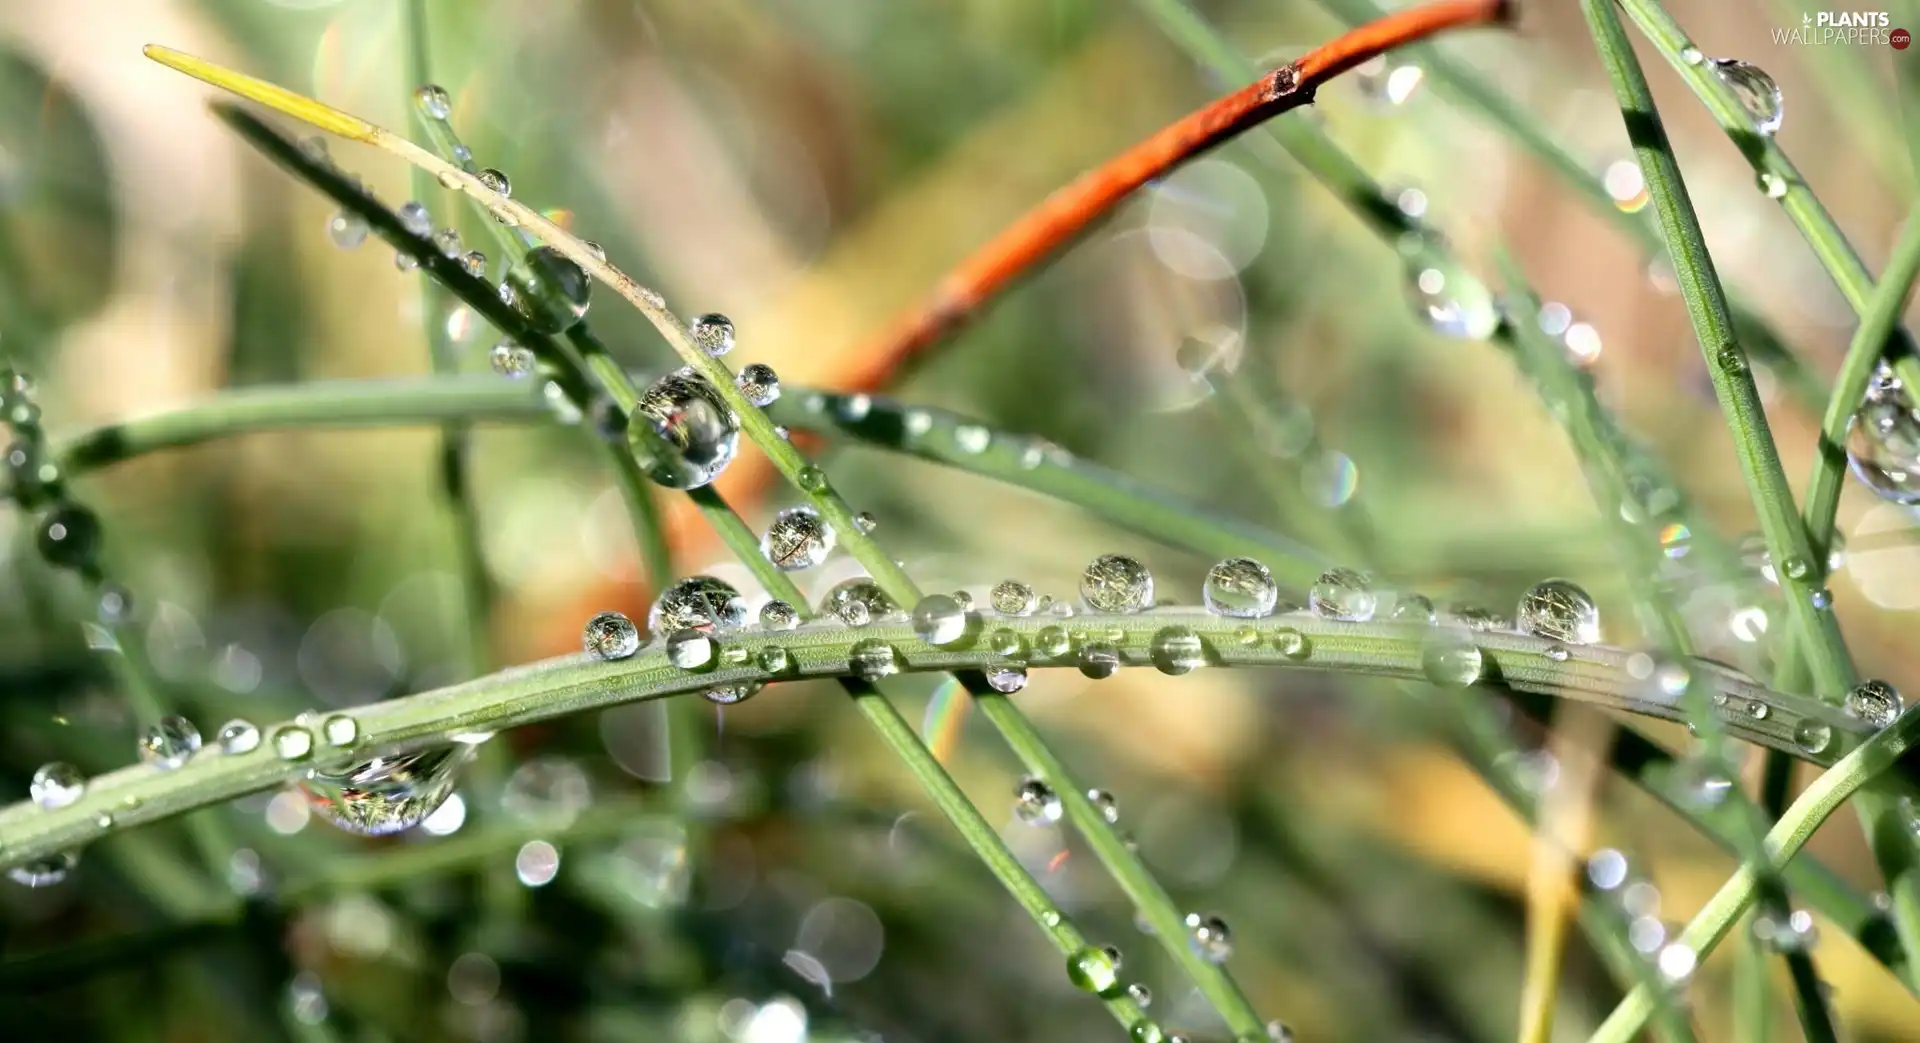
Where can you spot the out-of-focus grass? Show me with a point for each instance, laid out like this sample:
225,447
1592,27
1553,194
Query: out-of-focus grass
806,169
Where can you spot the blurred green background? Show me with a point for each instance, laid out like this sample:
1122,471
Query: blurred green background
809,168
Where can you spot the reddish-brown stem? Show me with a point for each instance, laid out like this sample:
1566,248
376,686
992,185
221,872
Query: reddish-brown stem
1062,216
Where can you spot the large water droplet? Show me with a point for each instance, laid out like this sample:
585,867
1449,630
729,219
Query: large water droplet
1209,937
759,383
690,650
1875,702
1099,660
57,785
1035,802
1007,679
797,538
1177,650
610,635
1240,588
339,730
1757,92
1343,594
1092,970
939,620
1559,610
387,794
700,431
1883,447
713,333
496,181
873,659
169,742
858,602
292,742
1813,736
698,603
44,872
238,736
1116,583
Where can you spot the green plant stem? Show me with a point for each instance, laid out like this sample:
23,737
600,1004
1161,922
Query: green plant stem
1821,232
1474,92
1724,909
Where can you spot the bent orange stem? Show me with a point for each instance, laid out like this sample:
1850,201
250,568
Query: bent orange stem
1062,216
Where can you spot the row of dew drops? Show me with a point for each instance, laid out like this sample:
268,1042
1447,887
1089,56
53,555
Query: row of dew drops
393,793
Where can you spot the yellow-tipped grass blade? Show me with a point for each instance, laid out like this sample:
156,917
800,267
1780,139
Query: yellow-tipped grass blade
509,211
280,99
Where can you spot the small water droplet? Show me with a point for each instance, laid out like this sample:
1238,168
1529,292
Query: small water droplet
1883,446
865,521
1290,642
44,872
972,439
387,794
404,261
1052,642
292,742
1091,970
1343,594
1007,679
432,101
1691,55
1558,653
1559,610
511,360
1209,937
759,383
1035,802
238,736
1010,597
346,229
57,785
1414,608
415,218
700,431
1099,660
1104,803
690,650
1757,91
1140,995
698,603
1450,658
713,333
1452,307
1240,588
873,659
1278,1032
811,478
1876,703
496,181
1813,736
340,730
939,620
447,241
797,538
553,292
610,635
69,537
169,742
858,602
1773,185
775,660
778,615
1177,650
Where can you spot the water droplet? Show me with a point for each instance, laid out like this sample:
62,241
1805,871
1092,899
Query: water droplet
1116,583
1773,184
775,660
1813,736
1240,588
610,635
1104,803
811,478
700,431
1035,802
857,602
730,694
1209,937
553,293
340,730
1099,660
1010,597
713,333
511,360
415,218
1559,610
1091,970
1449,657
1052,642
1452,307
1140,995
797,538
698,603
404,261
1278,1032
1343,594
1677,961
1388,81
69,537
1558,653
1877,703
690,650
1883,447
1757,92
57,785
1007,679
237,736
939,620
495,181
387,794
44,872
1177,650
346,229
873,659
169,742
778,615
972,439
865,521
292,742
1288,641
432,101
759,383
1691,55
